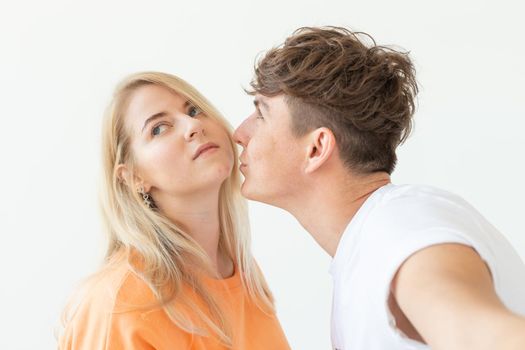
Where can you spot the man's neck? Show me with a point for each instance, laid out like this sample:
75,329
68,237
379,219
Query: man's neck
326,210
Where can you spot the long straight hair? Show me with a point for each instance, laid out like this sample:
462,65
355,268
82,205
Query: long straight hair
168,257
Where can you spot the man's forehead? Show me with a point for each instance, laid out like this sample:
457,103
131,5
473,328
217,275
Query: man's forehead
261,97
267,102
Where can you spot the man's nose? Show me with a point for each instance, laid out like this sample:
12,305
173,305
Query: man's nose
241,135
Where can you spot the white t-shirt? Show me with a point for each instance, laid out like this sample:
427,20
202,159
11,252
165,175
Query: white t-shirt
392,224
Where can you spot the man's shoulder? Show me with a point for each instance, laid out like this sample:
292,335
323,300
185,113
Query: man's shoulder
408,214
412,202
418,193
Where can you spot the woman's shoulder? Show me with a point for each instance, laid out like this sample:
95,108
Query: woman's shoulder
116,288
113,306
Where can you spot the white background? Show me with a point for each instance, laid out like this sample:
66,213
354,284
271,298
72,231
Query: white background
60,60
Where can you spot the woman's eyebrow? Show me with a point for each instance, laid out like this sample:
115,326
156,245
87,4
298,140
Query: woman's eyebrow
153,117
163,114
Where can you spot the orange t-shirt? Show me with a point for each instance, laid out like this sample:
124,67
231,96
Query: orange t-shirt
104,320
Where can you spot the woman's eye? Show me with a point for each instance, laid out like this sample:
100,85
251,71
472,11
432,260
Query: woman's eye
158,129
194,111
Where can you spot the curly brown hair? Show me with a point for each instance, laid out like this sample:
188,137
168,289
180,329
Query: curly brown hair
365,94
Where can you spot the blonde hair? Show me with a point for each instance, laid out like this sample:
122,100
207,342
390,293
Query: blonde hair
169,257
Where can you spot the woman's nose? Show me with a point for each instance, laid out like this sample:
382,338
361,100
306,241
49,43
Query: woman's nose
194,127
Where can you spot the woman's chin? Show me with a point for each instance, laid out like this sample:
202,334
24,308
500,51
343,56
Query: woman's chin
216,176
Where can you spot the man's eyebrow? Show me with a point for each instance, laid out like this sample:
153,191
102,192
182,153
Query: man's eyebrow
260,102
153,117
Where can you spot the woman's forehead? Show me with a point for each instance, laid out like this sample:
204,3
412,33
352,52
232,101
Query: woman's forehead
150,100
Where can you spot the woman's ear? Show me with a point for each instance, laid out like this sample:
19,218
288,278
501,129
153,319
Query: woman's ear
124,175
321,145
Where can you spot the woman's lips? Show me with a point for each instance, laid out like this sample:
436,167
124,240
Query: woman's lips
204,148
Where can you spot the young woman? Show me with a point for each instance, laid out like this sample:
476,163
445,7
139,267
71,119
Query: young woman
178,272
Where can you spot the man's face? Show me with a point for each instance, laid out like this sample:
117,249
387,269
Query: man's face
273,158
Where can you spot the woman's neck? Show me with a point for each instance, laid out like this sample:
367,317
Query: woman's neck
199,217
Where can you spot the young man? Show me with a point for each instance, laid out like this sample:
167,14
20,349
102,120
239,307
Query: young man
413,266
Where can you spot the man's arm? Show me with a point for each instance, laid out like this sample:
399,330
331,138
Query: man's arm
446,292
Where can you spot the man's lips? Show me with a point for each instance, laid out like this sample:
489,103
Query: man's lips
203,148
242,164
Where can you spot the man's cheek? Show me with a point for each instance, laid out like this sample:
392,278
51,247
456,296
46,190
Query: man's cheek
257,156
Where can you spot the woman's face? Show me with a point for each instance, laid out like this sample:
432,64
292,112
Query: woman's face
178,150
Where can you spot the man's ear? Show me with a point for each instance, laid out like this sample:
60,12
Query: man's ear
124,175
321,145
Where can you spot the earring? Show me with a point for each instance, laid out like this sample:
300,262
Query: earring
145,197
